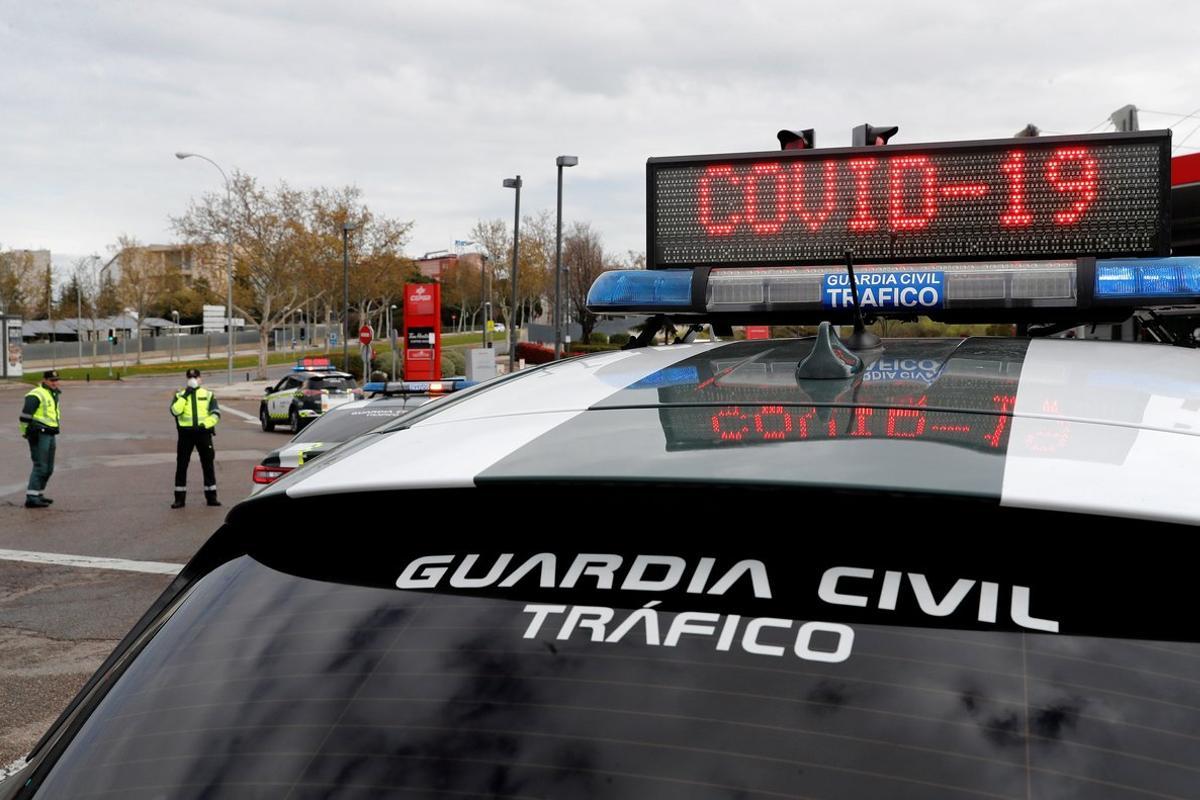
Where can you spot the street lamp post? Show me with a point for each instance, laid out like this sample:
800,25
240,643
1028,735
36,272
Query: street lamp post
175,315
392,340
514,183
229,260
485,307
561,161
79,316
346,228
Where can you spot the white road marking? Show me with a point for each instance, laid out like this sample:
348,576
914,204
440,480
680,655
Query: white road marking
242,414
93,562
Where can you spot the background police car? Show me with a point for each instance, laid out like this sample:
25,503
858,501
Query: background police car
303,395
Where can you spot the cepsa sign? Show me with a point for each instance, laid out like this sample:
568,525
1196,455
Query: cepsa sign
422,332
1101,195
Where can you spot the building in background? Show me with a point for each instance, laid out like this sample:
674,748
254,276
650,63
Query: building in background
192,262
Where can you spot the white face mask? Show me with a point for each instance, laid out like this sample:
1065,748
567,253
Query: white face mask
194,383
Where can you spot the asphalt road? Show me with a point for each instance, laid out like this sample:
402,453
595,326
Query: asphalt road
112,488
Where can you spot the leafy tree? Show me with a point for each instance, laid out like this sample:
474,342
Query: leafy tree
287,250
19,283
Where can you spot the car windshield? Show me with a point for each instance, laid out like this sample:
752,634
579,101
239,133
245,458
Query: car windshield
345,424
330,382
637,664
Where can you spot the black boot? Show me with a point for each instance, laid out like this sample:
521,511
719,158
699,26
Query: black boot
180,497
210,496
35,501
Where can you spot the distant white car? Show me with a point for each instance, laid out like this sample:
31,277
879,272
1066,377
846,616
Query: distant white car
499,327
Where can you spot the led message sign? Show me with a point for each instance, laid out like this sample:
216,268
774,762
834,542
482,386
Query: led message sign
1100,195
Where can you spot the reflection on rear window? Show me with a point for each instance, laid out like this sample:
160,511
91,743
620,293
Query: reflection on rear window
268,685
340,426
331,382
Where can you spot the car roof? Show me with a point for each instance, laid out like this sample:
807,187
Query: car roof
1084,426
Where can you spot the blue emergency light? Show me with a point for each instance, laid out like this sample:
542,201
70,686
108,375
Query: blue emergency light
1049,288
1148,279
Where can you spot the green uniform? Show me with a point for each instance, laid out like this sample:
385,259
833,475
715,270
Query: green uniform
40,425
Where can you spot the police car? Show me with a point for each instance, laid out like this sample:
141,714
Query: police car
312,387
824,566
387,401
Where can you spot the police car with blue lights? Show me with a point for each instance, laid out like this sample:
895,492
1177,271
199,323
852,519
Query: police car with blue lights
385,402
825,566
313,387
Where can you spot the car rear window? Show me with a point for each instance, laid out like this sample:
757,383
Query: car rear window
330,382
342,425
433,672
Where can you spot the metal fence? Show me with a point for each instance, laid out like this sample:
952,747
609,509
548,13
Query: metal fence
68,352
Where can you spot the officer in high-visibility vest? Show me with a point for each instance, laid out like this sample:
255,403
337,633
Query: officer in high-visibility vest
196,415
40,427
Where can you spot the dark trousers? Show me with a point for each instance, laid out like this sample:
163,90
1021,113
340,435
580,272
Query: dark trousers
199,439
41,450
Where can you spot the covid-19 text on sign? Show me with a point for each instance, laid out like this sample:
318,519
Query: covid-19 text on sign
1097,195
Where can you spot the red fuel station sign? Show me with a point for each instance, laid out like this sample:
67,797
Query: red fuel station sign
422,331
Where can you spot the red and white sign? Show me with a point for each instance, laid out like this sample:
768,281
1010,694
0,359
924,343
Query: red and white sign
422,332
365,334
758,332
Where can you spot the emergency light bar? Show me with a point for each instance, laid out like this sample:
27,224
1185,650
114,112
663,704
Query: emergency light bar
313,364
399,388
1043,289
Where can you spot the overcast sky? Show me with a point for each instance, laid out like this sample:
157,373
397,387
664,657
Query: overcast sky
427,106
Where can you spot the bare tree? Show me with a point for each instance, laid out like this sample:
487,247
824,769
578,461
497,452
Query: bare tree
583,257
141,283
83,275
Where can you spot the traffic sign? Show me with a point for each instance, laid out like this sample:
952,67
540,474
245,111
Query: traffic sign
365,334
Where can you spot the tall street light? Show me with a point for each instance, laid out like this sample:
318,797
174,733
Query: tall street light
561,161
346,228
392,339
514,183
229,259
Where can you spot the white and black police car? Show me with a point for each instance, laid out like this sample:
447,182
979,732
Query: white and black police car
821,567
387,401
313,387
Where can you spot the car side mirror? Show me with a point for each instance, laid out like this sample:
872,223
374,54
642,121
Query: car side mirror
267,390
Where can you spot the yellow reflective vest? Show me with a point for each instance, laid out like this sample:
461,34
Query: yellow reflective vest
46,415
196,409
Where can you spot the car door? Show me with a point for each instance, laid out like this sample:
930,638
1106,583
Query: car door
281,399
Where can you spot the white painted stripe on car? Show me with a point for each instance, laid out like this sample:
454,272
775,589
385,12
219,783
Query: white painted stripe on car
572,385
450,448
91,562
1124,472
1106,430
1139,385
435,457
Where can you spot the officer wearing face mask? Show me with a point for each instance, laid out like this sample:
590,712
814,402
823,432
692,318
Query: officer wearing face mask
196,415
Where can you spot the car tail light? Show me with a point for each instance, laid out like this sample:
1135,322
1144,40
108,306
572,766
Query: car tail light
263,474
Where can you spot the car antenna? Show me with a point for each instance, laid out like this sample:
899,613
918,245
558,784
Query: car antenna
861,339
